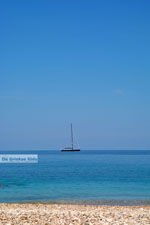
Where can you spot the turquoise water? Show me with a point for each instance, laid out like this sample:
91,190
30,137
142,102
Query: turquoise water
78,176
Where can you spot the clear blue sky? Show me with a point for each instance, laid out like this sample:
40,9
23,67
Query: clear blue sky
85,62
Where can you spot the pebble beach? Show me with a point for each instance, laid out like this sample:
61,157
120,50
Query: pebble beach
63,214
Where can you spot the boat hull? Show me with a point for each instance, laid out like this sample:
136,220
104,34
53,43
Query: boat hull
70,150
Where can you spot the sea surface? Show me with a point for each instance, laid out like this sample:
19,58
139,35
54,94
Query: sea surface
93,176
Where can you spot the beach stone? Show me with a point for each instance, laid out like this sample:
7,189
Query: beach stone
53,214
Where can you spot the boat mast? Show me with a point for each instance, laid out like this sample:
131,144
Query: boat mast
71,136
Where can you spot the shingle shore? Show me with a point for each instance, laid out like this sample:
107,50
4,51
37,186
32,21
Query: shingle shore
55,214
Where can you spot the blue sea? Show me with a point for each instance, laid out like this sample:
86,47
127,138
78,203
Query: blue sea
92,176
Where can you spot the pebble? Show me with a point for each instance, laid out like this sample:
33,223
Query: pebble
54,214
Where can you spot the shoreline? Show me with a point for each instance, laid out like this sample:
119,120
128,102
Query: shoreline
83,202
46,214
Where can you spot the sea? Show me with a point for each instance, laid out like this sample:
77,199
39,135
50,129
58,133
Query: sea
89,176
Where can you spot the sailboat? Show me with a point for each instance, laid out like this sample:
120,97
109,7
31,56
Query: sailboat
71,149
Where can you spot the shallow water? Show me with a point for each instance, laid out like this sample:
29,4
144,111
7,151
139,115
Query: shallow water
78,176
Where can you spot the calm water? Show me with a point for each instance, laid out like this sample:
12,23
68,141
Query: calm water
85,175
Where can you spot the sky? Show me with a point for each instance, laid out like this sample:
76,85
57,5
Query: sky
85,62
